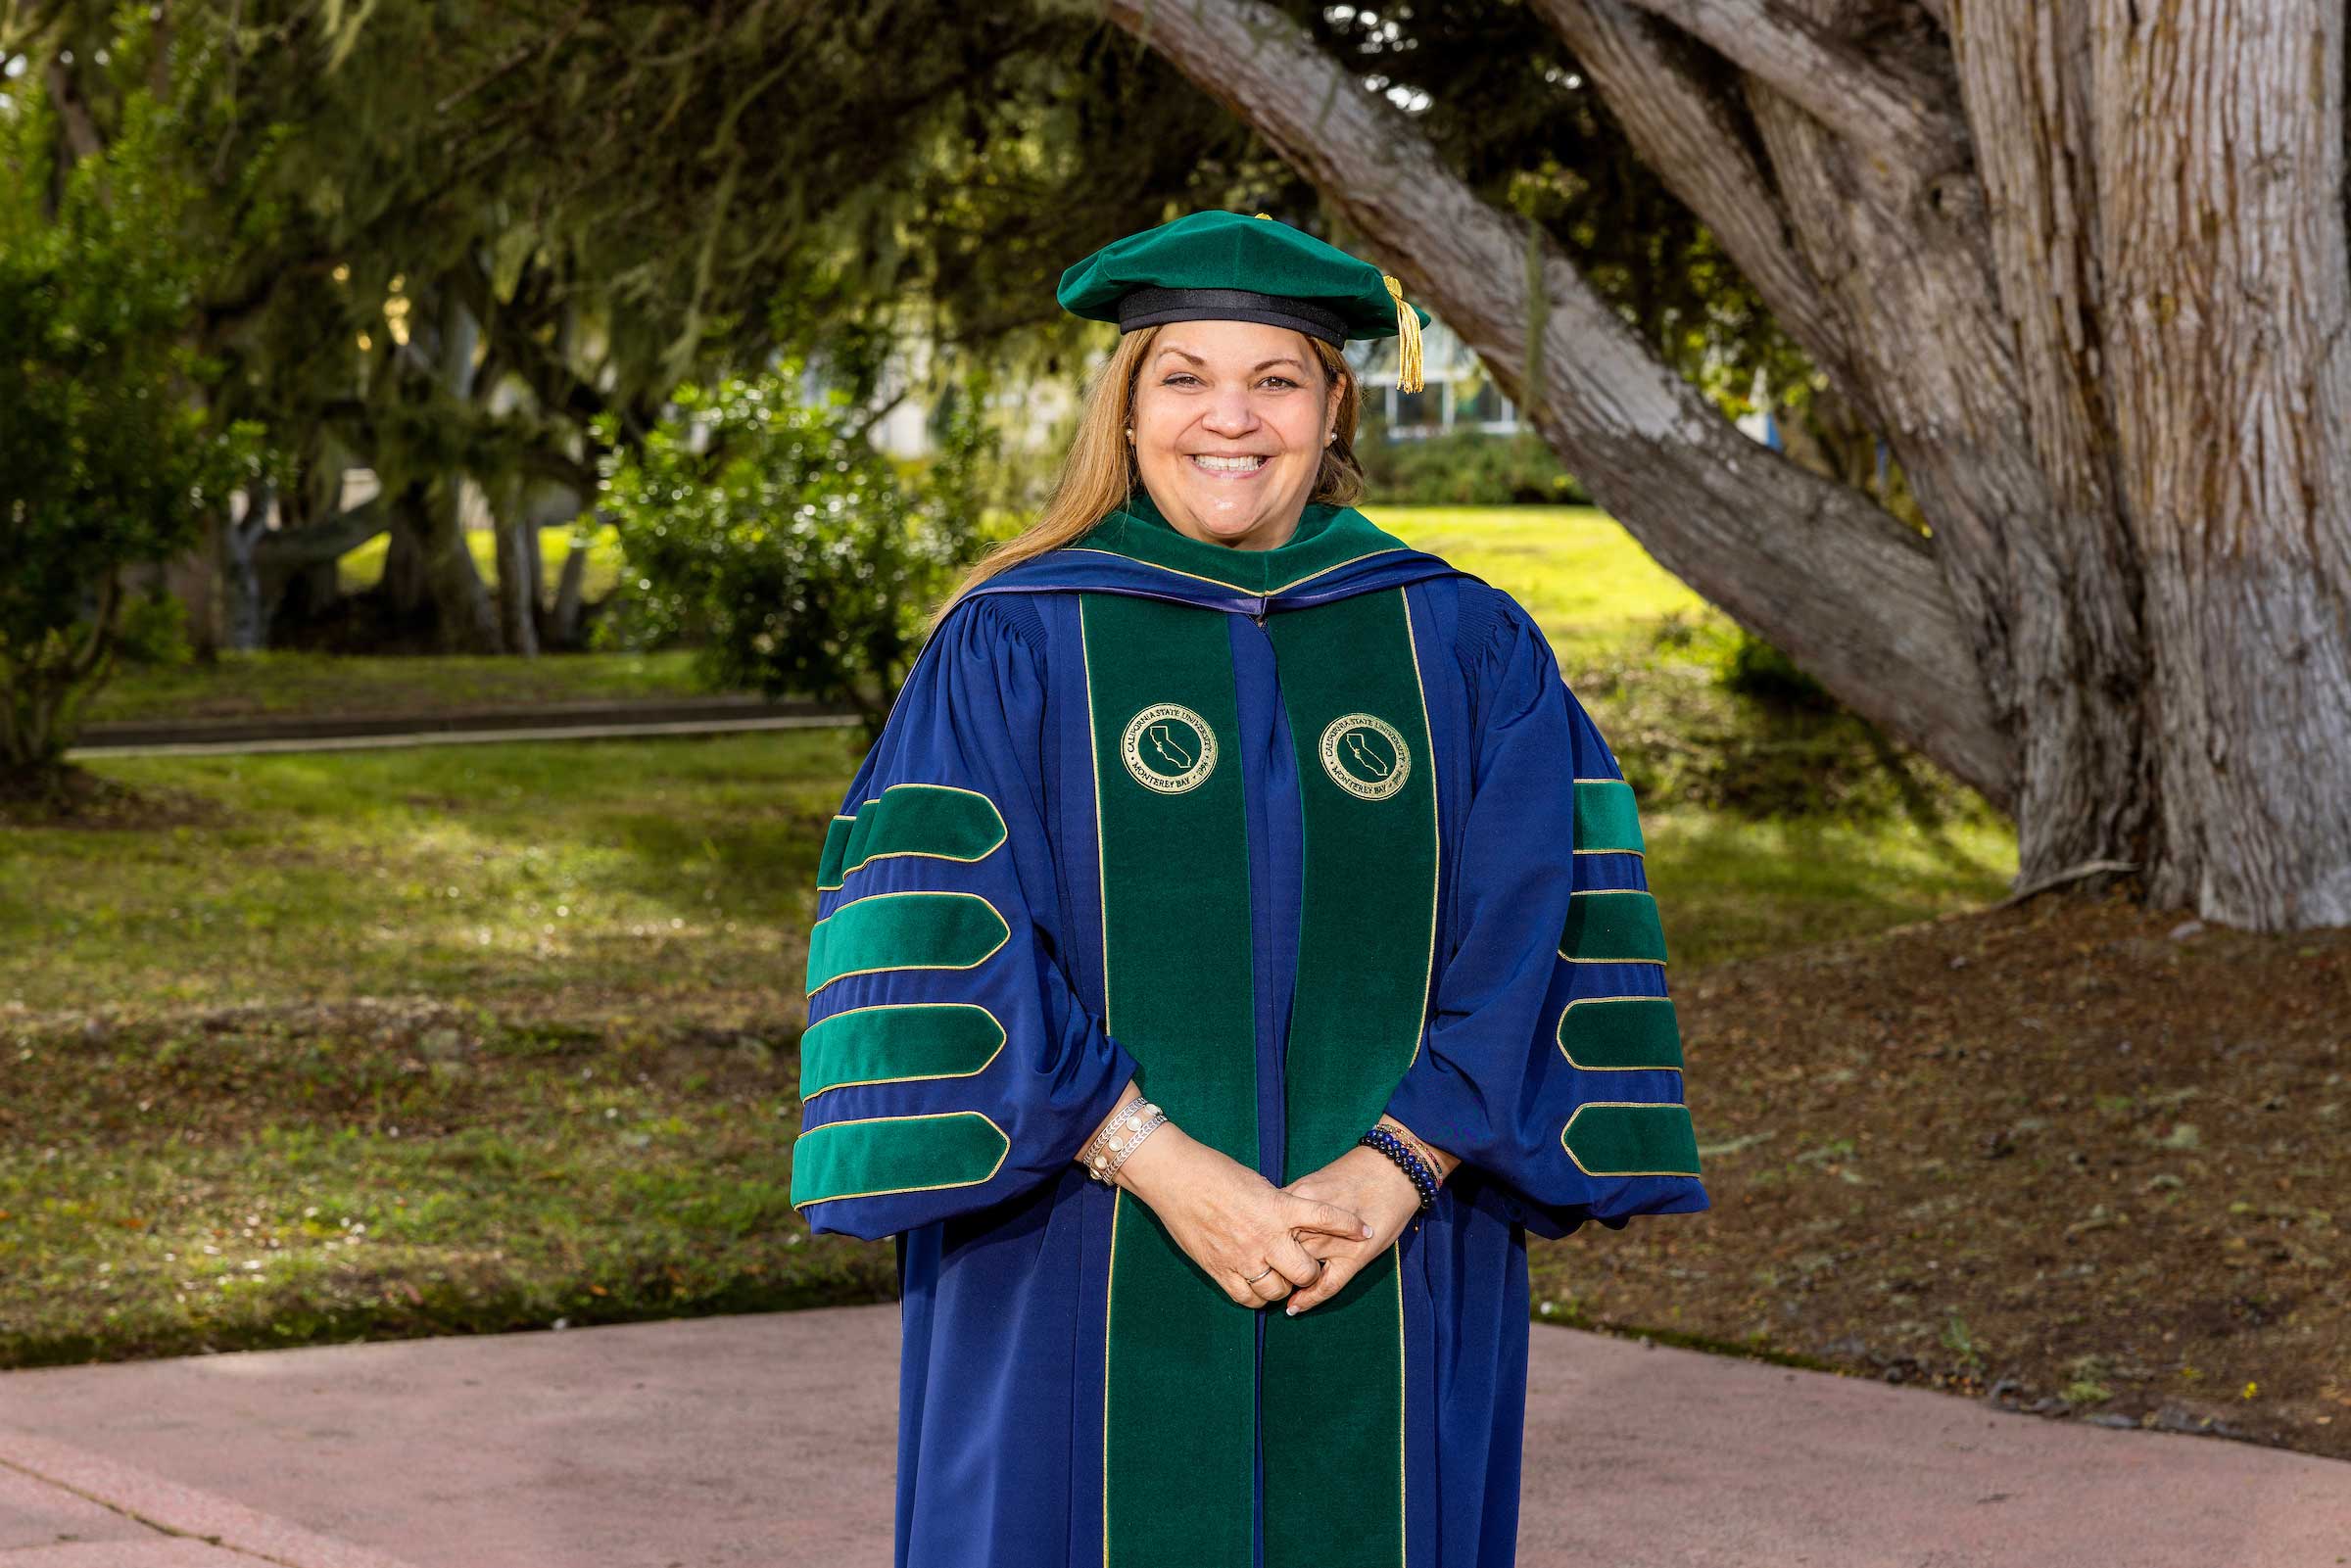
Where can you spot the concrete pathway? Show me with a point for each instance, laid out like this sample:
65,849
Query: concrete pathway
769,1439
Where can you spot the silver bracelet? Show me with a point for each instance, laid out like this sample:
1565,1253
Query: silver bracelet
1156,1119
1128,1115
1086,1156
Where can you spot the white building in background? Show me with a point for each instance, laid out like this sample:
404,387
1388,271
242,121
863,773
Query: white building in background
1030,412
1456,392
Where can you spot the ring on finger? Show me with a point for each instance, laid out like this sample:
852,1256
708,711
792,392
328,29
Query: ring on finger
1259,1274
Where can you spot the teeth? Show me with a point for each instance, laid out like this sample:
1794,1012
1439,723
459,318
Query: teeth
1229,465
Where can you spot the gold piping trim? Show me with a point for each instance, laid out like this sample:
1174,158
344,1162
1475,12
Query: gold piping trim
1637,1104
1561,1033
936,1186
1093,739
822,886
1109,1283
1598,892
1436,829
1110,1278
1003,835
1635,853
1404,1535
911,1077
894,968
1238,588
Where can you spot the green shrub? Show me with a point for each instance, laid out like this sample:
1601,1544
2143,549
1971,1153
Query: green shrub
767,534
154,630
1466,468
109,456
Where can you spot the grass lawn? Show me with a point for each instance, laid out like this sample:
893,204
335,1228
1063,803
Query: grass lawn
1578,573
242,686
362,568
397,1042
284,683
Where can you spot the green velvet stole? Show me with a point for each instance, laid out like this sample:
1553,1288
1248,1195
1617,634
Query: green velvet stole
1180,1422
1333,1389
1180,1419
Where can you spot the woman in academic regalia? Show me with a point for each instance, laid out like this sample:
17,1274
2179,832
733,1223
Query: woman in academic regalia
1234,945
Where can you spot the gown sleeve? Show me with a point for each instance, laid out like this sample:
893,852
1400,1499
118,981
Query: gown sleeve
948,1065
1552,1062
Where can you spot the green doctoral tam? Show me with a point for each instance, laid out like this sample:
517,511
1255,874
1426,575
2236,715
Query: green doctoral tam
1222,266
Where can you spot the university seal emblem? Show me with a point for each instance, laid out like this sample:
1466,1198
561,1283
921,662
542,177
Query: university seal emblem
1169,748
1365,756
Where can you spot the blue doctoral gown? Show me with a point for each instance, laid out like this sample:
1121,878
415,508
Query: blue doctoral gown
956,1058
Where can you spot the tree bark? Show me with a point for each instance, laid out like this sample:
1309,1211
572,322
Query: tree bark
2033,554
235,553
403,586
2082,268
2215,135
468,621
521,572
563,622
1852,595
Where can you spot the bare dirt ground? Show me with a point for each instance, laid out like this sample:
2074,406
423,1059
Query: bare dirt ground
2081,1158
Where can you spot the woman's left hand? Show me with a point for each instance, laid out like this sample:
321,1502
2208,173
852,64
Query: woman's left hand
1370,1183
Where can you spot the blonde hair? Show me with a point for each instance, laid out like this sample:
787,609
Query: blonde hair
1099,473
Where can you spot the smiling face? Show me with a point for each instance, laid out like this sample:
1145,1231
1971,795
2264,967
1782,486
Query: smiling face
1231,420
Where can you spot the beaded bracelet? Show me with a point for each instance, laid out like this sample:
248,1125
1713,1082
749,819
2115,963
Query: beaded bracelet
1152,1122
1413,1142
1423,1180
1092,1153
1118,1136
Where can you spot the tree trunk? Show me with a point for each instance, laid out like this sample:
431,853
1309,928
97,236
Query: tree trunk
520,571
548,503
46,687
404,585
467,620
300,560
2216,134
1852,594
2082,268
563,627
244,608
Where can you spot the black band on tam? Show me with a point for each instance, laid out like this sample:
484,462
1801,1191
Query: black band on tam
1149,308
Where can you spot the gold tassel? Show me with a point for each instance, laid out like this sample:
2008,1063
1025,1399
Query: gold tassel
1408,339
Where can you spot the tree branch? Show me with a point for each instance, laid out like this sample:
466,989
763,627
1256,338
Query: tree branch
1865,99
1851,594
873,417
73,115
1696,141
290,549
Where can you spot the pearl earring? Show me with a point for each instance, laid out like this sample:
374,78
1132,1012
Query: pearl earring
1131,432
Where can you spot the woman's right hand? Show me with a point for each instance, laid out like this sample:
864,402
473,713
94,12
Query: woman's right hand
1231,1221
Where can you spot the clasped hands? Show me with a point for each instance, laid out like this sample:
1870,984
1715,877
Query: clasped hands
1315,1233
